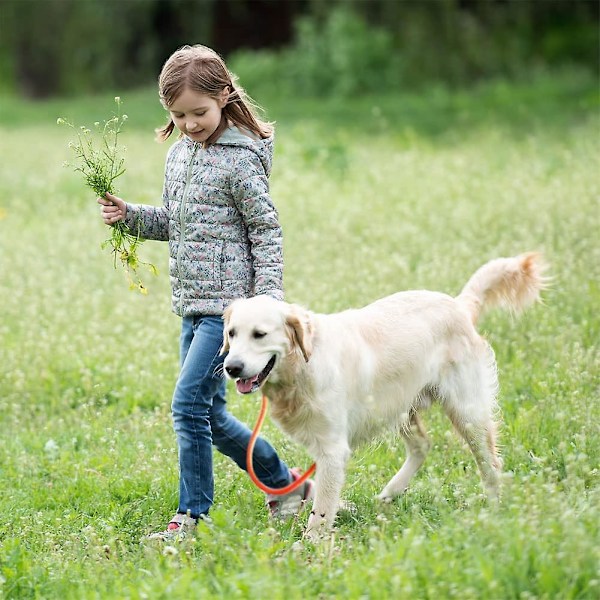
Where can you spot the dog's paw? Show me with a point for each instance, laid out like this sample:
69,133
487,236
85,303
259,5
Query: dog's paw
315,534
317,527
384,498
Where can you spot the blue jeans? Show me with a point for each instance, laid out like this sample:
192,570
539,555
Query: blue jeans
201,420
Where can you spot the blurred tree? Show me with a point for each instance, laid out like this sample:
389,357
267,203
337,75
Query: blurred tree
254,24
458,41
68,46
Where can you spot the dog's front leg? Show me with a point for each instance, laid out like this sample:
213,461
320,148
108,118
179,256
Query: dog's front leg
331,469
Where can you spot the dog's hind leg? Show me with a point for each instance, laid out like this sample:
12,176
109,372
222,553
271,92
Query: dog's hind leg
417,446
481,439
470,407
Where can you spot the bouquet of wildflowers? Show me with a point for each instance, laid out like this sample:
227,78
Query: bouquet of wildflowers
99,158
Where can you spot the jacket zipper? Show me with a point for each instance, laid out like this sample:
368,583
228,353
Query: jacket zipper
188,179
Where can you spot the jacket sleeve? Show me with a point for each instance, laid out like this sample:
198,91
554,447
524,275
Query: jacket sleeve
250,189
152,222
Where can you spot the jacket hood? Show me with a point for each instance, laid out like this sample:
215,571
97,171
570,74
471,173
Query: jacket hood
233,136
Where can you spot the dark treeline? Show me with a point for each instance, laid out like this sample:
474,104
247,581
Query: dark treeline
51,47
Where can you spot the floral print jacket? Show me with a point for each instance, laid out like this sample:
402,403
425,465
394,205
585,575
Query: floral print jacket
225,240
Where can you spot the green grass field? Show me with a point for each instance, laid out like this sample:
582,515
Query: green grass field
375,196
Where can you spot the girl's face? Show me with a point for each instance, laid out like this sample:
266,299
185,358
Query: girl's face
197,115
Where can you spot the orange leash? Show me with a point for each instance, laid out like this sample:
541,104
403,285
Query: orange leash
250,468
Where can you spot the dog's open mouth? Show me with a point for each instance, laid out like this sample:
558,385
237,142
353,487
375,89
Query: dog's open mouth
247,386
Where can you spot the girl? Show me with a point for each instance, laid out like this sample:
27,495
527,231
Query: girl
225,242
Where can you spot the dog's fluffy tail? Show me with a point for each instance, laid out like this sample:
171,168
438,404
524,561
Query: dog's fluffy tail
511,283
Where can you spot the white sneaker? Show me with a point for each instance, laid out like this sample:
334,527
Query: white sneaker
291,504
179,526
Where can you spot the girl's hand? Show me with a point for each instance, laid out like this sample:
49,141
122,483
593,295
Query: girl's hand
113,208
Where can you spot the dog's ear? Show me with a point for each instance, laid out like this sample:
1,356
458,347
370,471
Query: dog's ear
300,330
226,317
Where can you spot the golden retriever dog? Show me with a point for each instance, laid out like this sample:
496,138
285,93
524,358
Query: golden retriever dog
335,380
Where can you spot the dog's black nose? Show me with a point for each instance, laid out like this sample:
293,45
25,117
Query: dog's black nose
234,368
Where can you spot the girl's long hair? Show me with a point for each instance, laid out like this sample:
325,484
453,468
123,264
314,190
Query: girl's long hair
202,70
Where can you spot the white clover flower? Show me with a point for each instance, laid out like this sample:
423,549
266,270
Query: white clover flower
51,448
170,551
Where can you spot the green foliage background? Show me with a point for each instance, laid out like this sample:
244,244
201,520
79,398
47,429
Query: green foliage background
376,194
65,47
415,141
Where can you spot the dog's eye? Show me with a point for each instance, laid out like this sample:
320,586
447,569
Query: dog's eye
231,333
258,334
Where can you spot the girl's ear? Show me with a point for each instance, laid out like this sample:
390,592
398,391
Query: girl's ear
224,97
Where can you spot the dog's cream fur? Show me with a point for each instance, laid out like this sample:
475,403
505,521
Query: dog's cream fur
339,379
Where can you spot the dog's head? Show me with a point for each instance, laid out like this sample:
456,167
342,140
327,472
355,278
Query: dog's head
259,334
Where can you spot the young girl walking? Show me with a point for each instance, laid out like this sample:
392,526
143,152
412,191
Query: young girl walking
225,242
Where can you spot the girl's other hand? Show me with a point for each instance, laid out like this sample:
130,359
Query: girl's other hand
113,208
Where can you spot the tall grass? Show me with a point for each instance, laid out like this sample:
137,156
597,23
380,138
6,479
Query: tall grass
374,196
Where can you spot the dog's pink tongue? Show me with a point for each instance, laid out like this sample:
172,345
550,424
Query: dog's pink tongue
244,386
